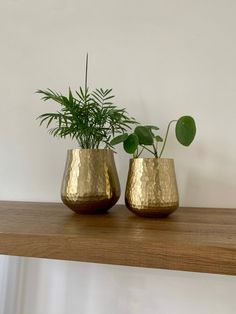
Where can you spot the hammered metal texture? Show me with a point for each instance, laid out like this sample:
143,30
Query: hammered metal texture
90,184
151,189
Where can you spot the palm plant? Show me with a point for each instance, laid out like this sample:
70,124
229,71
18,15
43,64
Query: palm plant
89,117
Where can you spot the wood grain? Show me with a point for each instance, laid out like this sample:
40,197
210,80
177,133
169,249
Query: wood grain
191,239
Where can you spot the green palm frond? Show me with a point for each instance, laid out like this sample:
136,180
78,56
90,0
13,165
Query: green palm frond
91,118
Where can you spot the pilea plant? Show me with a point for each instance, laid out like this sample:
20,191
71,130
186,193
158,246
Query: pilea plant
147,137
90,117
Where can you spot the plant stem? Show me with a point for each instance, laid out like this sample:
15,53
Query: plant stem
144,147
135,154
140,152
157,148
155,151
167,132
86,73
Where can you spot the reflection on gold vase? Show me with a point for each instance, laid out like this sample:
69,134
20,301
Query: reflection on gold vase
90,184
151,189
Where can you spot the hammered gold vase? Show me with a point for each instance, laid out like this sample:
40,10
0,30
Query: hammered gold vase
151,189
90,184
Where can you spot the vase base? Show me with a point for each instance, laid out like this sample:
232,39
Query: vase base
161,212
91,208
88,211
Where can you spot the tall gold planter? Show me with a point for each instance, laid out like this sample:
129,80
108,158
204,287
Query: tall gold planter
90,184
151,189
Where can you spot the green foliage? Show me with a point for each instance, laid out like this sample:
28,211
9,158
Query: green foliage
185,130
144,137
119,139
131,143
89,117
158,138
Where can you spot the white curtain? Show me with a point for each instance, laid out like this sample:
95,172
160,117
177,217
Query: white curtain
3,282
11,276
40,286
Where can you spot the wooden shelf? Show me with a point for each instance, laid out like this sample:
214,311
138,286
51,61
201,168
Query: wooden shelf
191,239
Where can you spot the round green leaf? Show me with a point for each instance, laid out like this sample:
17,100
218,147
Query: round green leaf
131,144
185,130
152,127
144,135
158,138
119,139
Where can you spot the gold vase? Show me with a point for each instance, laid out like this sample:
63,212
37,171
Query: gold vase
90,184
151,189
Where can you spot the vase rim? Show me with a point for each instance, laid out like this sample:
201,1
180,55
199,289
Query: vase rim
90,149
151,158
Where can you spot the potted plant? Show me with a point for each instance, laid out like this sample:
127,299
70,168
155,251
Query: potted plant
90,184
151,188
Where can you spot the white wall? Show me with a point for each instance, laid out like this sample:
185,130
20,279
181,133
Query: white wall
163,59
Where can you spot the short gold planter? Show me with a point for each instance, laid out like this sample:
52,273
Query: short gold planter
90,184
151,189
